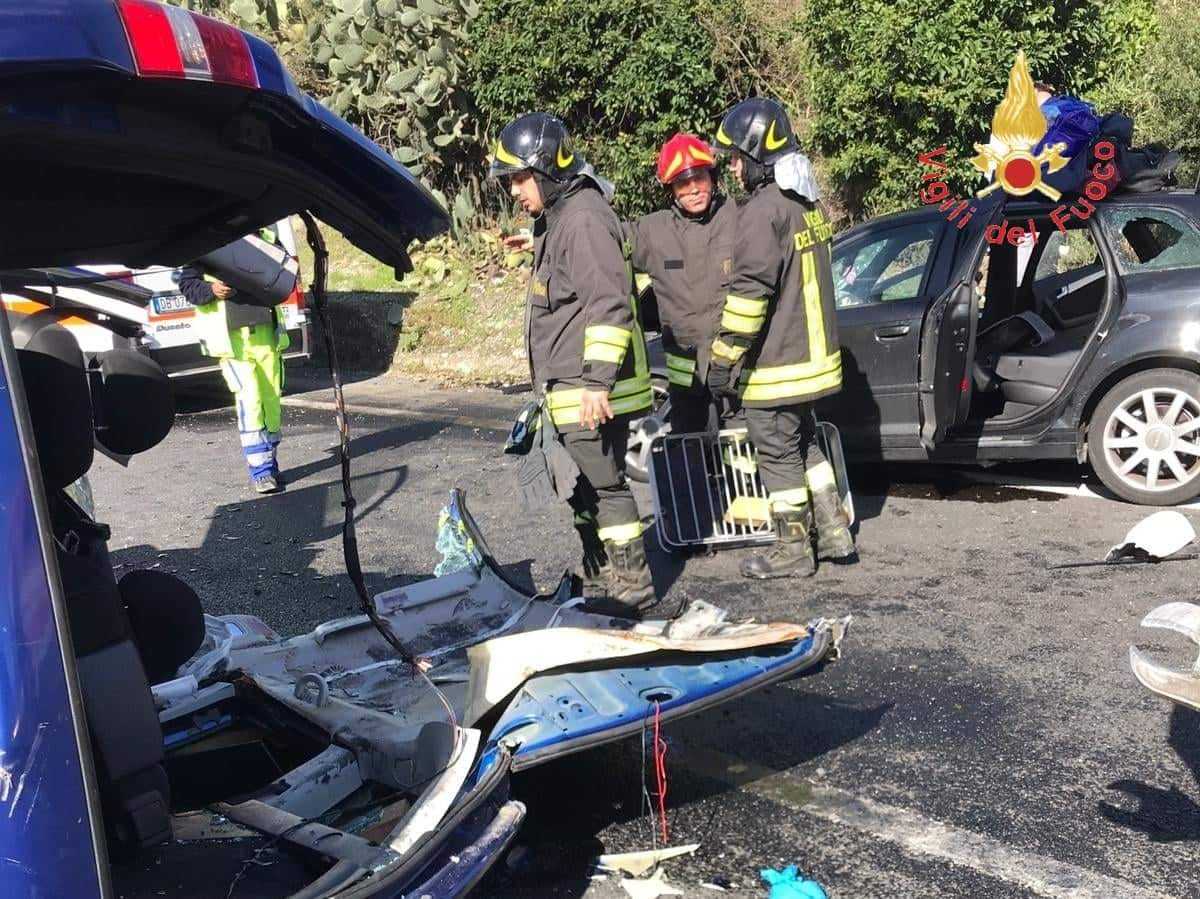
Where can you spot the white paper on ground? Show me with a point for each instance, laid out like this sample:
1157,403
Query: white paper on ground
636,864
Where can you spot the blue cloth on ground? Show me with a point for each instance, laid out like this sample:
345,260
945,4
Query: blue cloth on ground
791,884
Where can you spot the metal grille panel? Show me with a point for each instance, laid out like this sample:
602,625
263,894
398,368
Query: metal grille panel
707,491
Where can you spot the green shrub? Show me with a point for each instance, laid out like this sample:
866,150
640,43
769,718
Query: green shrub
623,74
891,80
1159,86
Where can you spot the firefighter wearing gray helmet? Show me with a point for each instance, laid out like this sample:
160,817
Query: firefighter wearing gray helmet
779,329
587,355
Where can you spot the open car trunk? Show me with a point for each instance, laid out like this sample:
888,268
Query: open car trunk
107,161
345,757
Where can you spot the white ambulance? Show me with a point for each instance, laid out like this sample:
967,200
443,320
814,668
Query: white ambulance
145,306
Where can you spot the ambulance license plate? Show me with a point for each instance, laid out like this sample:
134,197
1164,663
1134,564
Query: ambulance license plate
168,303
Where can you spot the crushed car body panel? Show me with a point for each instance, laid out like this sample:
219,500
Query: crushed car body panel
1173,684
554,678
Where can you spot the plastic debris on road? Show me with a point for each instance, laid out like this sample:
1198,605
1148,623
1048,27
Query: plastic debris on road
1161,535
636,864
791,884
455,545
1158,538
651,887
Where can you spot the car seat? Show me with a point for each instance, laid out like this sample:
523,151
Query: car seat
123,401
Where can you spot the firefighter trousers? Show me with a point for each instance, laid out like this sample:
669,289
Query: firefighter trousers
602,494
692,409
789,458
255,376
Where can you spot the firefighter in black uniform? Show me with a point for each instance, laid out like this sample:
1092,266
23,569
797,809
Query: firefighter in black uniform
687,251
778,326
587,355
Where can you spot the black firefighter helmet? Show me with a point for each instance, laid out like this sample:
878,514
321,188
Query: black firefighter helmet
537,142
759,128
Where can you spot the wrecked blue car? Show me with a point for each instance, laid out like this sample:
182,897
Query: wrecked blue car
148,749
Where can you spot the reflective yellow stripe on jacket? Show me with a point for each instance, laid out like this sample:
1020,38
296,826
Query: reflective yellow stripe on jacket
680,370
628,396
743,315
821,373
606,343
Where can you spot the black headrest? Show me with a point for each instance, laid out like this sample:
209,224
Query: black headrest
56,391
166,619
132,401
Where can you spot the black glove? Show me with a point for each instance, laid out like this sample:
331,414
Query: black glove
720,380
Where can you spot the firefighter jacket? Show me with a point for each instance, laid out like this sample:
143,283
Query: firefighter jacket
580,317
779,317
690,264
215,319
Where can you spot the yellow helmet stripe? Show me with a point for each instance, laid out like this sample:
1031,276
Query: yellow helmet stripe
722,137
504,156
699,155
774,143
564,161
675,166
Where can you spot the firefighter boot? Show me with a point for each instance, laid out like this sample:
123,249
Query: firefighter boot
792,555
833,525
594,568
629,583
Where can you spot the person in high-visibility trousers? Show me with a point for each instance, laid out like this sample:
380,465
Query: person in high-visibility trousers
779,326
248,344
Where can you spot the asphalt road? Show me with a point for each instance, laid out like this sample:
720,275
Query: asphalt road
981,736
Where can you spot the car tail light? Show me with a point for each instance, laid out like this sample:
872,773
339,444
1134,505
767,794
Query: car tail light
171,42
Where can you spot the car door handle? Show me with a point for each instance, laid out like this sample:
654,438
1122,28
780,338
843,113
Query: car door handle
892,332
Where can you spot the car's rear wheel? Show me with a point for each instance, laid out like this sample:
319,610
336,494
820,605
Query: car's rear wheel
1144,437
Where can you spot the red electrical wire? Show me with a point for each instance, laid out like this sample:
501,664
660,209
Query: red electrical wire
660,771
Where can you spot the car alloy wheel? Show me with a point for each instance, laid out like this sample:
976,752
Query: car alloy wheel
643,431
1151,440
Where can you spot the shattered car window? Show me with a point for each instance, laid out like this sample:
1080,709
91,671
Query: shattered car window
1152,240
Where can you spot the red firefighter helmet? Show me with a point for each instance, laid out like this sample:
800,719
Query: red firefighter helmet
683,153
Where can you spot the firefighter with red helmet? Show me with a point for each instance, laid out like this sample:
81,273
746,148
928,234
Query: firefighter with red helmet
587,355
687,252
777,344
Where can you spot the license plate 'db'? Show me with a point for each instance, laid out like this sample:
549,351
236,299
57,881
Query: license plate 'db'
169,303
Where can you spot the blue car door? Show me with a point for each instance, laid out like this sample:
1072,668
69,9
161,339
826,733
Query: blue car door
48,838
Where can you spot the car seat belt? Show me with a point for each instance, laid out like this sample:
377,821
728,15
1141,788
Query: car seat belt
1044,332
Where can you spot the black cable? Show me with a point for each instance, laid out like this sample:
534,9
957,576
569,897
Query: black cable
349,536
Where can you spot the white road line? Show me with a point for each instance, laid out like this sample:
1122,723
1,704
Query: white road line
1036,485
470,421
925,836
913,832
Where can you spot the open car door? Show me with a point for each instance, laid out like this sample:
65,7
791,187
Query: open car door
948,335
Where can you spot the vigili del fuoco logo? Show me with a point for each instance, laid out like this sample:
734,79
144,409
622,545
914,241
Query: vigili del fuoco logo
1008,159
